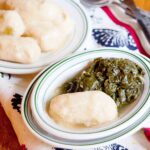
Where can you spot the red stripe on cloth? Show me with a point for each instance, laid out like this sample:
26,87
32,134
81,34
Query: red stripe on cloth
147,133
128,27
23,147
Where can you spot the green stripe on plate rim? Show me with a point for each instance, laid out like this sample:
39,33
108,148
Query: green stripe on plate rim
61,63
145,58
107,139
76,48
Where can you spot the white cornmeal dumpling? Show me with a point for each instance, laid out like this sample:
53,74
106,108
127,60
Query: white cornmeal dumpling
54,37
11,23
19,49
83,109
45,21
36,10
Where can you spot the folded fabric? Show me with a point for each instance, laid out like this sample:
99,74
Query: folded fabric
11,96
113,28
105,33
132,27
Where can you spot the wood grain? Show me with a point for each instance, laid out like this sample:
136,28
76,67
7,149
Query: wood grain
8,139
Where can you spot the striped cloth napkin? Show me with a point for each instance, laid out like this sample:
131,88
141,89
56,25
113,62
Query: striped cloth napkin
108,30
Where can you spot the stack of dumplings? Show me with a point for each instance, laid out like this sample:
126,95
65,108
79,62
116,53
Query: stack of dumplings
30,27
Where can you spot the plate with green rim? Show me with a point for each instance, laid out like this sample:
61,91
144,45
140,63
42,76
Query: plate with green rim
74,43
53,139
49,82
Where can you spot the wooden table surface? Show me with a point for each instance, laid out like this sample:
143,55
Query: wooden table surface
8,139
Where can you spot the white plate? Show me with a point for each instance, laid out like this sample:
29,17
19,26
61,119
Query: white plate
139,114
75,42
48,84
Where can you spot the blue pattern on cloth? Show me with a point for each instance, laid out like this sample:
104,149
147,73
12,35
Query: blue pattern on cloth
114,38
114,146
117,147
16,102
3,75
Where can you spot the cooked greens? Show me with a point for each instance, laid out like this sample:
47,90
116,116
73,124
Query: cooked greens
122,79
